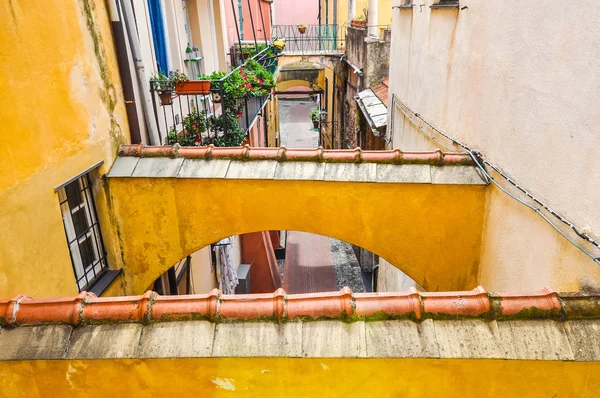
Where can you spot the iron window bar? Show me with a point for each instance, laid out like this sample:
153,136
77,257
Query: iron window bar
82,229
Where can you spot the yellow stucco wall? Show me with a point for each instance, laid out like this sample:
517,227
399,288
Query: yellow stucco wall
296,377
62,113
433,233
384,15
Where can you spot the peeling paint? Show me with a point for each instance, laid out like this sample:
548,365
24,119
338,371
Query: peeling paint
225,384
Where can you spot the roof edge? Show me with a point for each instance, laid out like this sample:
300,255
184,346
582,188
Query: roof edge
150,307
282,154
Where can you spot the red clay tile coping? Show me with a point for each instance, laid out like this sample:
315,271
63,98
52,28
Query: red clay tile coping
86,308
282,154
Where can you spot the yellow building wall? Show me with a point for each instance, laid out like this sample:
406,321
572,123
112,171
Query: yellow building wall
431,232
62,112
384,16
300,377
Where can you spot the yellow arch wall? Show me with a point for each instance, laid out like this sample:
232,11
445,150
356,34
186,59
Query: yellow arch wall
431,232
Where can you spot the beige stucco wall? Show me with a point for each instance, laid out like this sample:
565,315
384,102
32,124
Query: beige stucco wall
518,81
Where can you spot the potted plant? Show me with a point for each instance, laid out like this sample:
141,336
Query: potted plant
185,86
302,28
359,22
164,87
279,45
314,115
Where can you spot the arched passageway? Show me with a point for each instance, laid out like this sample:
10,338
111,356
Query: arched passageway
431,231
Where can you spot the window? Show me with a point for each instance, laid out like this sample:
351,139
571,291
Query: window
445,4
83,231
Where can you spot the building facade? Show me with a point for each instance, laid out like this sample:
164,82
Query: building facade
502,78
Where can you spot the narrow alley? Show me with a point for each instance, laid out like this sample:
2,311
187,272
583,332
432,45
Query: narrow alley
314,263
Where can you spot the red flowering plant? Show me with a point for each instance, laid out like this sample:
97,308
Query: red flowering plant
194,125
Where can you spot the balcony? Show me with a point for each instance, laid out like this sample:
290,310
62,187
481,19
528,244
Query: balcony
312,39
217,109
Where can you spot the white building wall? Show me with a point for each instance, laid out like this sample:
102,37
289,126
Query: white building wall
518,81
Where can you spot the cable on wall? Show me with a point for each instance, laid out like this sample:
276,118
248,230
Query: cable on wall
480,161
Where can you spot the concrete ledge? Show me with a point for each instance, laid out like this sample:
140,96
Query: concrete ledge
200,168
192,339
401,339
261,170
326,339
36,342
157,167
105,341
302,170
445,339
258,339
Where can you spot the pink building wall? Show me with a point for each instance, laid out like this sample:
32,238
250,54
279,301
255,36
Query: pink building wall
257,6
295,12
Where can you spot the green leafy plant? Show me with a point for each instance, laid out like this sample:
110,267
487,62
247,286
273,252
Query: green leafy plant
178,77
162,83
194,125
314,115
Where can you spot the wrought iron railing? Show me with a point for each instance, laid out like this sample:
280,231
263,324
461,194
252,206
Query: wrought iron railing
313,39
218,119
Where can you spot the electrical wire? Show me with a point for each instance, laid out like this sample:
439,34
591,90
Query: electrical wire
475,155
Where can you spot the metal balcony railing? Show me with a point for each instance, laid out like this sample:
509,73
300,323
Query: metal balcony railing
218,120
314,39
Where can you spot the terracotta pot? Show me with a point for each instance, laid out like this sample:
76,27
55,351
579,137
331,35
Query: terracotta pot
358,24
165,98
302,30
193,87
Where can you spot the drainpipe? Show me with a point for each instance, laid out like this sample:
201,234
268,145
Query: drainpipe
241,12
372,22
351,10
139,71
125,72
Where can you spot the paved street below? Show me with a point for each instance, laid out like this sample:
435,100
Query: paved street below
314,263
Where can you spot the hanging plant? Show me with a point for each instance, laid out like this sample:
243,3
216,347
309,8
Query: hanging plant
163,87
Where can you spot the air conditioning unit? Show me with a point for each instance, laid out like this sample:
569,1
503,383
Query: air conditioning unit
243,274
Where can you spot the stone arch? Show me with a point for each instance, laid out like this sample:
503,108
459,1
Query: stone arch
430,232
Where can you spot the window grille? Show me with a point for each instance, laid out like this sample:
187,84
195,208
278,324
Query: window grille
83,231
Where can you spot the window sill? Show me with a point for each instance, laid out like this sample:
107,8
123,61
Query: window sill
453,5
406,7
105,281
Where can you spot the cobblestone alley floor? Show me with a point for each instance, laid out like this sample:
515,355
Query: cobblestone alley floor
313,263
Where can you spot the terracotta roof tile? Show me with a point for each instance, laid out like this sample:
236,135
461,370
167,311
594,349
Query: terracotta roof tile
283,154
86,308
381,91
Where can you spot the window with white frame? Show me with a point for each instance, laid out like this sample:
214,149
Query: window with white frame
83,231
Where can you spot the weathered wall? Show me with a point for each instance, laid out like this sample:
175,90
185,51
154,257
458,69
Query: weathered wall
377,58
62,113
431,232
518,81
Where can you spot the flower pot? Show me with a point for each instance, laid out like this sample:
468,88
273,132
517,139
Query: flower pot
302,30
193,87
358,24
165,98
315,124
